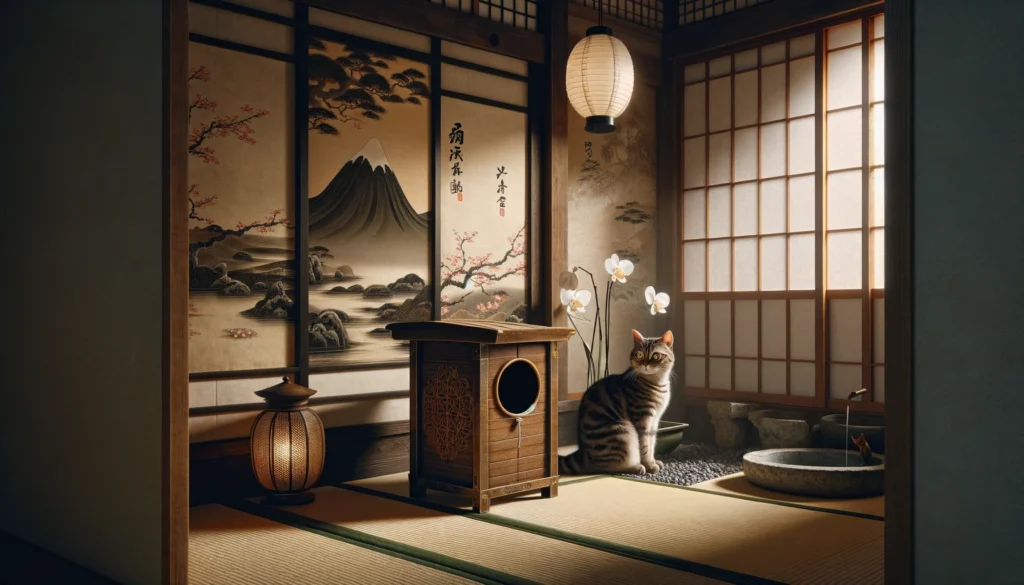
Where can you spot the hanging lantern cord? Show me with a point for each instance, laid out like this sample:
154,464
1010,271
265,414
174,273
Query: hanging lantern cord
600,12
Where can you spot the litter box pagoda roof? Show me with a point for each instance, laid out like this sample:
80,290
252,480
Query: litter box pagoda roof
477,331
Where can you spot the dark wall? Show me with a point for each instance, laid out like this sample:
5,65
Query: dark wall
80,437
969,291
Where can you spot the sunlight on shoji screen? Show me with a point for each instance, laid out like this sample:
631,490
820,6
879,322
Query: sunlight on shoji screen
854,192
877,201
749,220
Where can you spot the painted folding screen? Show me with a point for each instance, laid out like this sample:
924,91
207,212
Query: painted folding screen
241,194
485,180
369,200
325,207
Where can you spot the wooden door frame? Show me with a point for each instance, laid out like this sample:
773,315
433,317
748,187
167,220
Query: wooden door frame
899,545
899,293
764,21
174,389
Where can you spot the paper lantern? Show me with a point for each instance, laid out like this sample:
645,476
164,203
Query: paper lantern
599,79
286,444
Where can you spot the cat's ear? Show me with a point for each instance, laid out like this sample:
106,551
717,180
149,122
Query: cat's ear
668,338
637,338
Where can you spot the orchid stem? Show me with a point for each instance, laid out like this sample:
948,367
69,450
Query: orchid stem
597,324
587,351
608,326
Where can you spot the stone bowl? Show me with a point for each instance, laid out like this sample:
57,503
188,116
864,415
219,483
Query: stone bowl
815,472
833,430
669,436
783,428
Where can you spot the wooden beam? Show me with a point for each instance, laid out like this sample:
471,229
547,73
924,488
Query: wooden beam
174,388
315,401
431,19
757,21
617,24
554,21
899,293
668,216
670,17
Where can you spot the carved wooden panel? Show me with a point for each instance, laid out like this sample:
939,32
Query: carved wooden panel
447,412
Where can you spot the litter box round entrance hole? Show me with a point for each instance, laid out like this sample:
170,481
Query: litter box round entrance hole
517,388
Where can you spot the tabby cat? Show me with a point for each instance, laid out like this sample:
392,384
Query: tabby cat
618,415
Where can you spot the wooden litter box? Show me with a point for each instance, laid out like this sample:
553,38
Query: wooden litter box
483,409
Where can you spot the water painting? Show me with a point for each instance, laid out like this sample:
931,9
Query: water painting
612,196
241,240
369,207
483,212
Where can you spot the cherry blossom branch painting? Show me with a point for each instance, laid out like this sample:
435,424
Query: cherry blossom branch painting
470,273
201,134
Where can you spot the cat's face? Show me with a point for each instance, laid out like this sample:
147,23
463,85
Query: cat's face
652,356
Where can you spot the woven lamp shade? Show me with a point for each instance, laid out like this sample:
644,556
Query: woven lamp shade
286,444
599,79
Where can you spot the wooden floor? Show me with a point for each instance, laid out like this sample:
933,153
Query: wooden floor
600,529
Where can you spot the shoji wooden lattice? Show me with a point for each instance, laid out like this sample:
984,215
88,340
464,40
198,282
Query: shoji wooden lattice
518,13
855,191
646,13
691,11
749,233
783,218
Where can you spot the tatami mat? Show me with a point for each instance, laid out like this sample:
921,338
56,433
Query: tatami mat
507,551
782,543
736,485
229,547
599,529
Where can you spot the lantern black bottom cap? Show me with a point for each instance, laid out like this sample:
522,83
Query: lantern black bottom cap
289,499
600,124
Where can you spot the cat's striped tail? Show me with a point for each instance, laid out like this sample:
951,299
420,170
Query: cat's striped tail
570,464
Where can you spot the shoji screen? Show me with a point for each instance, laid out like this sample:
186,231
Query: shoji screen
854,187
782,225
749,273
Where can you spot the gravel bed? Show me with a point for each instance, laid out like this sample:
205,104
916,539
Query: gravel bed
693,463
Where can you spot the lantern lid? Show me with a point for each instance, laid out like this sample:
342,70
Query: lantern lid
599,30
286,393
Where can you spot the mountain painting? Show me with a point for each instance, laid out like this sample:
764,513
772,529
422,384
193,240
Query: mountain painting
369,207
483,212
241,241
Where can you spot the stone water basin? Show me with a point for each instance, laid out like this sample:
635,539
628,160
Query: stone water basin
835,435
815,472
669,436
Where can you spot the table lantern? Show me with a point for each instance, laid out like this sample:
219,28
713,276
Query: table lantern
286,444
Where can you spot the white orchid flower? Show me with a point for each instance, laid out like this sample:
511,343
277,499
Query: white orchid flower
619,269
658,301
575,300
